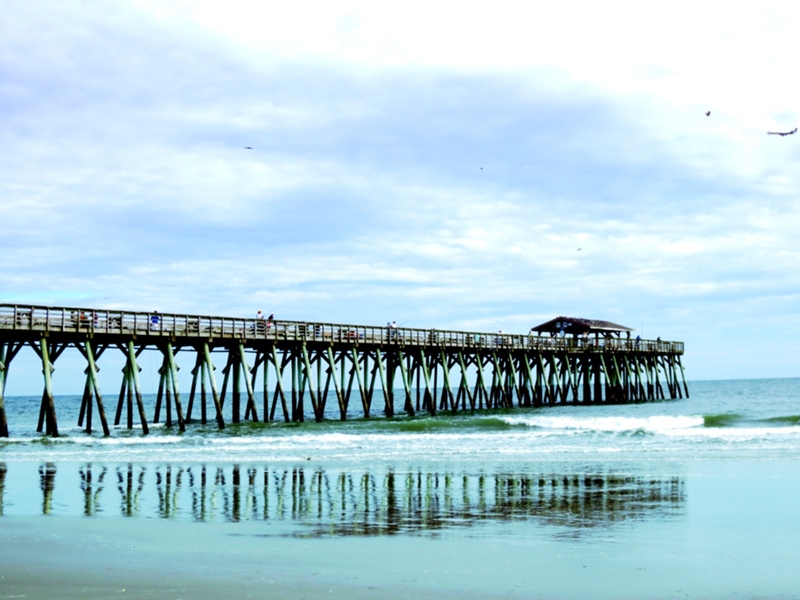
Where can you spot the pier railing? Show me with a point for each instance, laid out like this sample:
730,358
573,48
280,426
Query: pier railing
45,319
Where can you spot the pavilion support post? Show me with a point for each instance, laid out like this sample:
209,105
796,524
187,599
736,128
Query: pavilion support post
168,420
408,406
598,378
308,374
665,367
529,392
86,400
641,390
587,378
515,382
677,392
501,379
649,374
618,387
465,381
573,378
676,388
388,409
480,383
447,392
130,400
630,376
48,403
298,410
251,373
226,371
328,377
3,372
122,389
195,374
101,412
162,376
609,388
173,385
236,366
357,368
373,376
552,378
279,386
210,368
265,386
5,361
544,387
369,384
248,375
391,374
322,393
680,364
351,376
659,388
137,387
431,405
203,391
433,369
417,376
336,386
630,379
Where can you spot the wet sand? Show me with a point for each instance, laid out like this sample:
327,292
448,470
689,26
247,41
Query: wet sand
737,539
73,557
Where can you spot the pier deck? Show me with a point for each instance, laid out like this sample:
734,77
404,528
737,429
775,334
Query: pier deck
434,369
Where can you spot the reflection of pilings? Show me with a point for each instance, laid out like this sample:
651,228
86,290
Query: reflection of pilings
375,503
47,481
2,486
130,493
167,493
91,493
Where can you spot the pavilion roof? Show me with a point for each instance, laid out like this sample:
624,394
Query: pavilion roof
578,325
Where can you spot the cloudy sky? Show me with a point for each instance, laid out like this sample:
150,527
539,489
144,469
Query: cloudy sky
475,166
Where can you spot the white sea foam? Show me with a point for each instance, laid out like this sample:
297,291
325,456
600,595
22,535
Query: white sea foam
653,424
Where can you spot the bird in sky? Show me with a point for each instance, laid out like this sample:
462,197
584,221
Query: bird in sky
782,133
248,147
708,113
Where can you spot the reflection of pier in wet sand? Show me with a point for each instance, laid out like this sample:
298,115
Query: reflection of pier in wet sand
324,502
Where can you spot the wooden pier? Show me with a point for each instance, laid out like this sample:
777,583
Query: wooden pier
432,370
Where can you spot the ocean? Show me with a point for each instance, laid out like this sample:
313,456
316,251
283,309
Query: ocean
686,498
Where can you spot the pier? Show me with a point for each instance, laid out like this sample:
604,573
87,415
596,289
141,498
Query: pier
297,364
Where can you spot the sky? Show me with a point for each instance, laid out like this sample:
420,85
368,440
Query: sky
466,166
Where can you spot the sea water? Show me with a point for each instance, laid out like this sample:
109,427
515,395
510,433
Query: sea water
694,497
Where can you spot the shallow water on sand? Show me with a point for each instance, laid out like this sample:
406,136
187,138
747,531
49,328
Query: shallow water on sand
690,498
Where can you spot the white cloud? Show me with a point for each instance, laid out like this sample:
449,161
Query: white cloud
438,162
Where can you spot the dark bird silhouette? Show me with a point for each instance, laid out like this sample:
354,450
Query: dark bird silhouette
248,148
708,113
783,133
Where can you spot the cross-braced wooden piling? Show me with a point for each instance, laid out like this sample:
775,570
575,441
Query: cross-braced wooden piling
431,370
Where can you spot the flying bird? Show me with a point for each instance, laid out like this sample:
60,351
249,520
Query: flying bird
708,113
248,147
783,133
